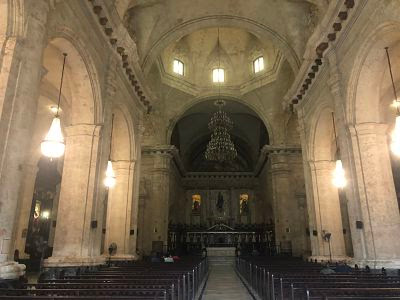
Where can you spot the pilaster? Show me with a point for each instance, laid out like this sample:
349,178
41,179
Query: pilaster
118,227
327,213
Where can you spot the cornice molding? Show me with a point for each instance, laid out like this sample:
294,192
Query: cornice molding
327,35
120,43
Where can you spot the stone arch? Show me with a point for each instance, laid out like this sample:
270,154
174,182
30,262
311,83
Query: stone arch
366,80
174,120
323,136
322,115
123,143
256,28
68,40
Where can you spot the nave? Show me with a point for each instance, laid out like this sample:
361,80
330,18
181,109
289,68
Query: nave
261,129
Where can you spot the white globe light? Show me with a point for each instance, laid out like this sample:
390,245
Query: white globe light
53,145
395,144
110,180
339,179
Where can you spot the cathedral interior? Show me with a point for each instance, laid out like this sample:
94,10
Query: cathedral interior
230,134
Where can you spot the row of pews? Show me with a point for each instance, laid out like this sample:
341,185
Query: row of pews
180,280
295,279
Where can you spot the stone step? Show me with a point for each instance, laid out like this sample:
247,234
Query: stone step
221,260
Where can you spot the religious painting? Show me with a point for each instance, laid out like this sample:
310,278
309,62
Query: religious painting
244,204
220,202
36,212
196,203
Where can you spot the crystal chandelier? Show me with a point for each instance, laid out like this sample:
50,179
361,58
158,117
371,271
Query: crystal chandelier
220,147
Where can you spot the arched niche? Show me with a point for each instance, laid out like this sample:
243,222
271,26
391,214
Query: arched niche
370,92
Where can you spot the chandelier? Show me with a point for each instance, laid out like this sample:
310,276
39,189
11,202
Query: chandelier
53,145
338,176
220,147
109,180
395,144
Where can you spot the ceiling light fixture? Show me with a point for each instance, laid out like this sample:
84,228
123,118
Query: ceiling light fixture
110,180
220,147
395,144
339,178
53,145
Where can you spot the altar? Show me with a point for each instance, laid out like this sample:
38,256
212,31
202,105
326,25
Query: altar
221,251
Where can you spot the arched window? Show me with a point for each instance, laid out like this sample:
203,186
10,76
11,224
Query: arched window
218,75
178,67
258,64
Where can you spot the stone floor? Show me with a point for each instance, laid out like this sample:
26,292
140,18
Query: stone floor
223,283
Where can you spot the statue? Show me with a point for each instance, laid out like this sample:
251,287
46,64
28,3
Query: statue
220,202
244,205
196,202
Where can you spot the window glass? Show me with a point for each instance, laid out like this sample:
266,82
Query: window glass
218,75
258,64
178,67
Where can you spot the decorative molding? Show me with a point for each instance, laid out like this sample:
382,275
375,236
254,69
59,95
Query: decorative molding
311,66
118,46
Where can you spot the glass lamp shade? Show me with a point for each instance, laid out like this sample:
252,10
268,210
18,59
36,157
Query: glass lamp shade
395,144
110,180
53,144
339,179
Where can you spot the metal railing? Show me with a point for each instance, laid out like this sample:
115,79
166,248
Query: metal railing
188,285
259,279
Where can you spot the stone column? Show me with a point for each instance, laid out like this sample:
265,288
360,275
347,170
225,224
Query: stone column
346,154
158,160
24,208
326,207
285,204
136,192
119,208
19,90
75,234
380,220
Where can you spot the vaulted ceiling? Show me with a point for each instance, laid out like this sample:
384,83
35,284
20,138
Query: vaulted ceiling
164,30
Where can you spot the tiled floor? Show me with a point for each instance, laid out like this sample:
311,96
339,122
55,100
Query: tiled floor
223,283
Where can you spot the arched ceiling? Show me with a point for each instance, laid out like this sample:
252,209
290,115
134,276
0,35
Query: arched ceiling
235,52
191,136
167,29
154,24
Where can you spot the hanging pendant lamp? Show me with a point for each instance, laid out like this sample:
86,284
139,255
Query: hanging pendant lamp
53,145
338,178
395,144
110,180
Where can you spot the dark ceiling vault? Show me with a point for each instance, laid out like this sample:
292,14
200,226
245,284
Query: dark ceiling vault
191,135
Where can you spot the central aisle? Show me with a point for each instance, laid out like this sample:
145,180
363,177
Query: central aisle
223,283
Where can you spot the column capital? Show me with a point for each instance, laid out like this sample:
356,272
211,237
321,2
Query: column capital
281,149
322,165
123,167
370,129
162,150
83,129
